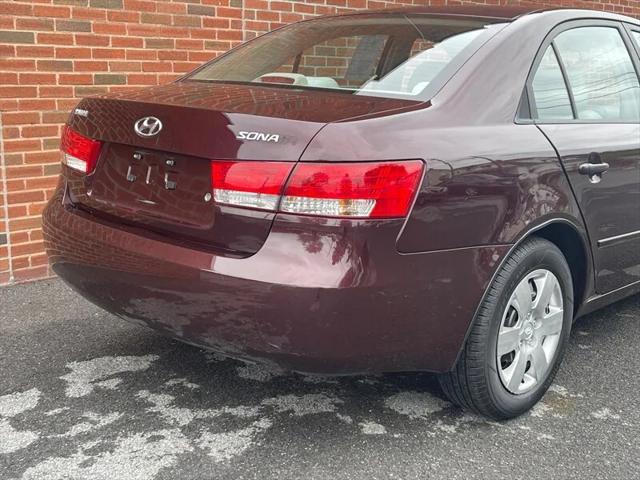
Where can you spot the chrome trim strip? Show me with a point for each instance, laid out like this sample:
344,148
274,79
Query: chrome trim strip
605,241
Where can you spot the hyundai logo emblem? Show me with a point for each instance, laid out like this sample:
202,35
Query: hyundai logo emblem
148,126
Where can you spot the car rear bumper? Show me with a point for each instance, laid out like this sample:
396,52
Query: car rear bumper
326,296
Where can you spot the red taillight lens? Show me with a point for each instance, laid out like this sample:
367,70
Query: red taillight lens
249,184
366,190
79,152
351,190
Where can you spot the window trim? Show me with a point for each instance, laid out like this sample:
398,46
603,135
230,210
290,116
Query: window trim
565,79
630,28
549,42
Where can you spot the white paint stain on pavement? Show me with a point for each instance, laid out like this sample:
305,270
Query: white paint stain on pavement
16,403
540,409
344,418
137,457
84,374
12,440
564,392
300,405
163,404
111,384
226,445
605,414
182,382
258,372
94,421
415,404
11,405
372,428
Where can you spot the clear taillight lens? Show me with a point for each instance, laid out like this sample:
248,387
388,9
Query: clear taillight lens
350,190
249,184
79,152
367,190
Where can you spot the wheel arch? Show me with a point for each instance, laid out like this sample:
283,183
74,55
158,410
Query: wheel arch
573,246
564,234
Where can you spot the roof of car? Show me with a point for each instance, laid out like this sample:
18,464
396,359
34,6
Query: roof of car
504,12
494,12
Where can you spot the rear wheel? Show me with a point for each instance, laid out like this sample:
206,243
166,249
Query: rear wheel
519,336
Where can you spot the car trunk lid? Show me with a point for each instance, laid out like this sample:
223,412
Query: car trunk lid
162,183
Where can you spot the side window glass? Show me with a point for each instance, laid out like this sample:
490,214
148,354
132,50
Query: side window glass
600,74
549,90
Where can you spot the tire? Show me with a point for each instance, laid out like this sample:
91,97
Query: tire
480,380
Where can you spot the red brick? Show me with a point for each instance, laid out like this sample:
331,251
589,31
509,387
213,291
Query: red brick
128,42
35,51
92,40
7,51
14,8
25,197
17,211
140,5
55,117
108,53
36,104
8,78
109,28
88,13
55,38
24,275
16,65
46,183
44,24
123,16
39,131
18,91
23,172
37,78
51,11
143,79
75,79
37,158
55,91
38,260
90,66
73,52
20,118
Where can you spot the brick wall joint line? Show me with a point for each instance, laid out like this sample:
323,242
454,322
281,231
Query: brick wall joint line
5,195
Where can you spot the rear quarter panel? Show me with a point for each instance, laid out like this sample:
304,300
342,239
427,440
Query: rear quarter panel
489,180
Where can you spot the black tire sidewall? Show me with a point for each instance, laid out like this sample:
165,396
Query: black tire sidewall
542,255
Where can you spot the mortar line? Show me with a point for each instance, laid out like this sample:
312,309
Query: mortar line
5,195
244,23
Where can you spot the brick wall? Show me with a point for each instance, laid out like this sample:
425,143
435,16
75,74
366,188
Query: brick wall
53,52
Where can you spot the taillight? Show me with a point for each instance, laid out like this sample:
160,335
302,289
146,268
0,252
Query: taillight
249,184
79,152
367,190
351,190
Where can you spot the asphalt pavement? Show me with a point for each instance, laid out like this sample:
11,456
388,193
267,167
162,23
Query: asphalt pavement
85,395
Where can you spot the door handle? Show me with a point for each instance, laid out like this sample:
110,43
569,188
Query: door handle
593,170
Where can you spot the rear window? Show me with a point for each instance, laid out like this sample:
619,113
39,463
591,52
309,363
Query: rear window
395,56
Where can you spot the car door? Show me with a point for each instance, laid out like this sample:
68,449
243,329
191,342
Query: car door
585,97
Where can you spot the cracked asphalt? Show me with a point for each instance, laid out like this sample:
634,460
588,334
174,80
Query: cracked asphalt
85,395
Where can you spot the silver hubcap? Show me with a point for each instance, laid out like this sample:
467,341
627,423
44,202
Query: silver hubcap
530,331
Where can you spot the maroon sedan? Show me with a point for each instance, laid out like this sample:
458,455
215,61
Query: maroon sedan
435,190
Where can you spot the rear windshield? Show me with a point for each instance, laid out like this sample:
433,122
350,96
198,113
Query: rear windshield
396,56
